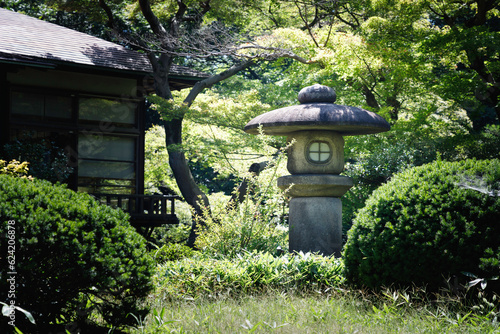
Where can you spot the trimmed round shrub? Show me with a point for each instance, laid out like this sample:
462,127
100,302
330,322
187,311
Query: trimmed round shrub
73,258
427,224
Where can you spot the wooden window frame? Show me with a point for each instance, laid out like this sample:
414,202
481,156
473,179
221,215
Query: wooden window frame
76,126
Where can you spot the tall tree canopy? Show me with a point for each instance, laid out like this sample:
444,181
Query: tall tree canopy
449,47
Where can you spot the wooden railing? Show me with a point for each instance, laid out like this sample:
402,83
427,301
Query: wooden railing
144,210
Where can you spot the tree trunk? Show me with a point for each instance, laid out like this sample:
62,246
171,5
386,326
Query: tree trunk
177,160
178,163
370,98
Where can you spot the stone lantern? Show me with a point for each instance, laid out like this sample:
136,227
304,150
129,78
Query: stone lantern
315,160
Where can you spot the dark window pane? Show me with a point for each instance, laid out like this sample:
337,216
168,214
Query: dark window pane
106,169
32,104
27,104
95,109
101,147
58,106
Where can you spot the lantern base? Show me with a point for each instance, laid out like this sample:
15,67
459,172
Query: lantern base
316,225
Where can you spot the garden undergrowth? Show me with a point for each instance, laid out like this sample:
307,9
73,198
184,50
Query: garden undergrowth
249,272
335,311
298,293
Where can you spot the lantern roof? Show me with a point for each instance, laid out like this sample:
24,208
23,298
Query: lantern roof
318,111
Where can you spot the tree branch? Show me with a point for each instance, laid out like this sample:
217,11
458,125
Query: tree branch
153,21
277,53
329,34
109,14
210,81
304,19
355,25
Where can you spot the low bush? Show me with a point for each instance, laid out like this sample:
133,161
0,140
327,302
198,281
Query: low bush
248,273
255,224
172,252
426,224
72,257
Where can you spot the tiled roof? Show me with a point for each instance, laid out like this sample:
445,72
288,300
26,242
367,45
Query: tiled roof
25,37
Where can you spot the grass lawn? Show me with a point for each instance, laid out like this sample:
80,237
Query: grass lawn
338,312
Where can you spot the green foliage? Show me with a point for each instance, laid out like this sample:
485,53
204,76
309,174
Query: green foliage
461,47
47,161
428,224
209,179
232,110
73,257
389,158
175,234
213,141
247,273
203,145
14,168
172,252
168,109
254,224
480,145
222,156
373,160
157,171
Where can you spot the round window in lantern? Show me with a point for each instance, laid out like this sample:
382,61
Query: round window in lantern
319,152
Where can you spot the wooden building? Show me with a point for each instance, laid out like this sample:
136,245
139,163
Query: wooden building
86,95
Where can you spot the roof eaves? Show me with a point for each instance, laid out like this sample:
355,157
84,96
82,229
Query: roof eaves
6,58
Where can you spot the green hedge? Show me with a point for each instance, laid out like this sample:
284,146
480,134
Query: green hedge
428,224
73,256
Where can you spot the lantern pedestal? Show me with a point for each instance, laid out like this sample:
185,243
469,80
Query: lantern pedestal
315,215
315,225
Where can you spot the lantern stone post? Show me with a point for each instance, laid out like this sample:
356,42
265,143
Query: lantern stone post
315,160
